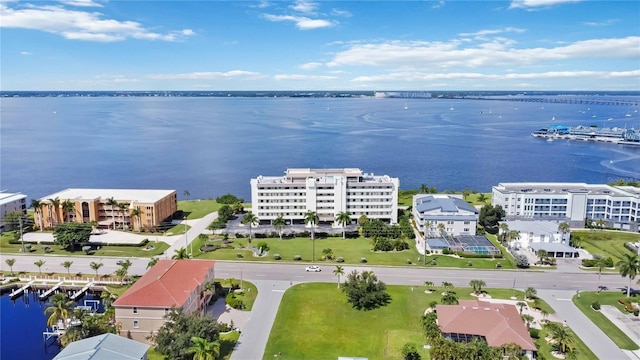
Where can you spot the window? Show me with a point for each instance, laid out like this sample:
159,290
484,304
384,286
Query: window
136,325
166,311
135,310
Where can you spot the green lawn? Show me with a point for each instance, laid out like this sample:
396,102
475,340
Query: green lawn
250,291
581,349
607,243
605,298
106,250
352,250
314,321
196,209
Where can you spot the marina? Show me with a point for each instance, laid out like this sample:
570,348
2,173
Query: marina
616,135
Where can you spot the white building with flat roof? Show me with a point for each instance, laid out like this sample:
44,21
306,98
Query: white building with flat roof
11,202
327,192
447,212
618,206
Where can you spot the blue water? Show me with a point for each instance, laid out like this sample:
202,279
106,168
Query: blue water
22,322
213,146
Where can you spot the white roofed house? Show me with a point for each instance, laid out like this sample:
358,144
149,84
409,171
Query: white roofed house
448,212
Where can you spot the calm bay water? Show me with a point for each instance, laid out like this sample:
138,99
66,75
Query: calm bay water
212,146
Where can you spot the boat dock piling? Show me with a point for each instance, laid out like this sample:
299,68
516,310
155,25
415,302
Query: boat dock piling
55,332
19,291
81,291
46,294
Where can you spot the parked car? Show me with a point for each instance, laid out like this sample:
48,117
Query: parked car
313,268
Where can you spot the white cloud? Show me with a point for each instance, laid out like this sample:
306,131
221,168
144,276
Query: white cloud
421,77
601,23
484,33
535,4
310,66
26,53
437,4
102,81
80,25
498,52
302,23
342,13
207,75
303,6
299,77
81,3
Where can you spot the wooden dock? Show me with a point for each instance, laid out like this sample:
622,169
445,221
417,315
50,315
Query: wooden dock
79,293
19,291
47,293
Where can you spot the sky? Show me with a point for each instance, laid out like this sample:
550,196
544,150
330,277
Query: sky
320,45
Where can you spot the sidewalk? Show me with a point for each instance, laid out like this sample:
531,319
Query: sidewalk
628,323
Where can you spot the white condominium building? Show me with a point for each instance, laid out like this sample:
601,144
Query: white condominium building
448,213
619,206
327,192
11,202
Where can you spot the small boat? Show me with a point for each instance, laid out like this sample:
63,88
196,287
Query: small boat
549,139
406,107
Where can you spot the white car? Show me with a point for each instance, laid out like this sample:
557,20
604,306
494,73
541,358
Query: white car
313,268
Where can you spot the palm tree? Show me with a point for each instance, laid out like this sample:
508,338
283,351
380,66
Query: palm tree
59,309
203,349
441,229
39,264
541,254
449,298
311,218
279,224
629,267
427,228
251,219
447,285
186,193
121,273
107,298
123,208
339,270
37,209
423,189
10,262
67,207
477,285
562,338
521,305
125,264
528,320
180,254
482,197
504,229
601,223
530,293
564,228
54,205
112,203
136,213
152,262
428,284
67,265
344,219
95,266
465,194
513,235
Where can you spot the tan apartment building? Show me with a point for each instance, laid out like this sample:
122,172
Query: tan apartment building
140,311
110,208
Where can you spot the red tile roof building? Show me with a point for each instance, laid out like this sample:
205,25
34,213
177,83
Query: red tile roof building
141,309
496,323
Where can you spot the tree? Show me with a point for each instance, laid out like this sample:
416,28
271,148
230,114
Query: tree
67,265
563,228
95,266
490,217
186,193
311,218
203,349
11,262
121,273
541,254
409,352
477,286
338,271
521,305
423,189
562,338
72,235
328,253
225,213
447,285
59,309
528,320
180,254
465,194
513,235
629,267
601,223
364,291
123,209
152,262
427,228
251,219
530,293
482,197
53,209
428,284
39,264
449,298
112,204
279,224
12,218
504,230
37,210
67,206
344,219
136,214
441,228
174,337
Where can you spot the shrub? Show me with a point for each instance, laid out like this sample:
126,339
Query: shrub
239,235
239,255
498,266
433,262
234,302
469,263
636,312
47,249
276,257
363,260
340,259
521,261
208,248
446,251
409,261
595,305
297,257
534,333
409,352
262,246
607,262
